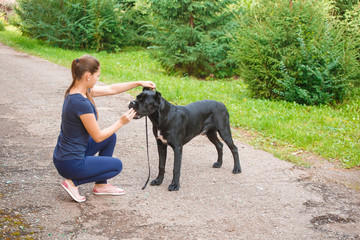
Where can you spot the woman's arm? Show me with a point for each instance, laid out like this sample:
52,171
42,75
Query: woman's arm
99,91
99,135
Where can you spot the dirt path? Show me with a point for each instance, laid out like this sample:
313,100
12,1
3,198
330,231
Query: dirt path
271,199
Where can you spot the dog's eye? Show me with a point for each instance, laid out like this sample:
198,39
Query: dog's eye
140,97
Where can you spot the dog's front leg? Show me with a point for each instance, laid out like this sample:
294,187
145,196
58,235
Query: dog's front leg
175,184
162,150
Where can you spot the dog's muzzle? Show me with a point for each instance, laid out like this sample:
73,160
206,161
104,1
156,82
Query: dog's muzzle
132,105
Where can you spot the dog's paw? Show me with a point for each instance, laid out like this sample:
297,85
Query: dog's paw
156,182
174,187
236,170
217,165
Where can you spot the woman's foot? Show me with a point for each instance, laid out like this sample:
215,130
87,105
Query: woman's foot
107,189
73,191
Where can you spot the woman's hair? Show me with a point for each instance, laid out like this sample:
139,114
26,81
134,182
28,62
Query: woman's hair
79,66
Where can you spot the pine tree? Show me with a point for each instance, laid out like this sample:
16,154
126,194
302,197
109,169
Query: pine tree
193,36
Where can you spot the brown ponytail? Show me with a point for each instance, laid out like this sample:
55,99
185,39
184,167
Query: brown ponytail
79,66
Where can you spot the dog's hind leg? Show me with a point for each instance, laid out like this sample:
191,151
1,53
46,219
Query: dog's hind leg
211,134
225,134
162,150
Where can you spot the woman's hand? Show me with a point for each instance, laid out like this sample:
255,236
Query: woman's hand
92,126
149,84
126,117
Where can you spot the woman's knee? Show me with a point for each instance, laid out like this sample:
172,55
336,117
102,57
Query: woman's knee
118,165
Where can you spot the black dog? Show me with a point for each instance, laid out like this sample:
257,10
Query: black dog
177,125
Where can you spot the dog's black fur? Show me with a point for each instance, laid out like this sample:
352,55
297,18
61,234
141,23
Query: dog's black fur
177,125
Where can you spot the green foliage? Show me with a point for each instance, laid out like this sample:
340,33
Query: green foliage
135,24
342,6
193,36
351,20
80,24
2,26
295,53
2,22
351,24
317,76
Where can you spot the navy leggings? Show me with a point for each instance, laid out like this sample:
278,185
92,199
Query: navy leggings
92,168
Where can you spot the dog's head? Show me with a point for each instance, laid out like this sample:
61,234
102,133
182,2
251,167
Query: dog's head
146,103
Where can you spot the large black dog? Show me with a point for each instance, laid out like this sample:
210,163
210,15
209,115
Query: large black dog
177,125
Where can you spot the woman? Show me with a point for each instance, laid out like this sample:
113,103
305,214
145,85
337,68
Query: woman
80,136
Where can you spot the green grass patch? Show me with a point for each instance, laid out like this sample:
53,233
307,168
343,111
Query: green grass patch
280,127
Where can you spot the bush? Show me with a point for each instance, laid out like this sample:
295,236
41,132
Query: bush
86,24
342,6
295,53
135,25
193,36
2,26
351,23
2,21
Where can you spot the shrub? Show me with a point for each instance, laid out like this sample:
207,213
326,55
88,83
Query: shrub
86,24
342,6
351,23
193,36
135,25
2,26
2,21
294,53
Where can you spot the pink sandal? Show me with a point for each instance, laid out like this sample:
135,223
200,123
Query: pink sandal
74,194
108,190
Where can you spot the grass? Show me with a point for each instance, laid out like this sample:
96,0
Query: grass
282,128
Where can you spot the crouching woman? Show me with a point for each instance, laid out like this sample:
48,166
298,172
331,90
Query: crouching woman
80,136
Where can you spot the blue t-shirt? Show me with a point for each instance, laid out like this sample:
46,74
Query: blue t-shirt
73,138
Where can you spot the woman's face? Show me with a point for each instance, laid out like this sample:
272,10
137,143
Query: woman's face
94,78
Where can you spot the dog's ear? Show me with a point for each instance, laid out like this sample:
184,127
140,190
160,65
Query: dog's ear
157,96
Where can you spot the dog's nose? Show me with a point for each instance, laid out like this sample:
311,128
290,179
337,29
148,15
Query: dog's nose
132,104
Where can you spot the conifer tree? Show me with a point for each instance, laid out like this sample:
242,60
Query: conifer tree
193,36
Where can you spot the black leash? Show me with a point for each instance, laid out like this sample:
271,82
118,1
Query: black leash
147,152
